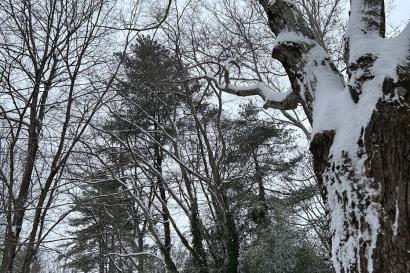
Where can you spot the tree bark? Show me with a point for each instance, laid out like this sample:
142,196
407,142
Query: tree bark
232,244
140,267
387,143
163,196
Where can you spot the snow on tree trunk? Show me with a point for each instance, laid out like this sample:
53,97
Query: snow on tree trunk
361,130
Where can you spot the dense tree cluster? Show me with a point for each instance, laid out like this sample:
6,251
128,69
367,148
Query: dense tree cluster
158,120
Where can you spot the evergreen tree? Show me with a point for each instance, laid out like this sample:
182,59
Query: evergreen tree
148,95
106,216
281,248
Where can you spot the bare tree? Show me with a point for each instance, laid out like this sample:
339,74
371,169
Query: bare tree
49,59
56,70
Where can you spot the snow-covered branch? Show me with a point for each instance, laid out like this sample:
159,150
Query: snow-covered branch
273,99
365,28
307,64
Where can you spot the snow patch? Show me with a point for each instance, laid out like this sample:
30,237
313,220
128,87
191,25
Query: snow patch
372,218
395,225
292,37
333,106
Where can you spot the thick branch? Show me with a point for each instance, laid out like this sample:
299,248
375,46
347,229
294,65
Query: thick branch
304,60
366,22
367,17
283,16
282,101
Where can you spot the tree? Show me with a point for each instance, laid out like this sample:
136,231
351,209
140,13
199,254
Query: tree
149,93
360,142
282,248
105,229
148,86
54,74
46,47
216,169
131,142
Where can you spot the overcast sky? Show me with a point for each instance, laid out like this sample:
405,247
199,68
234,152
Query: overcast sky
401,12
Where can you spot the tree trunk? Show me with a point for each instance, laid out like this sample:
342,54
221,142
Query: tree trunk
163,196
13,233
374,204
140,267
232,244
166,249
387,142
101,259
260,212
200,258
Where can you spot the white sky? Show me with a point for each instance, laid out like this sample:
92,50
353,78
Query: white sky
401,12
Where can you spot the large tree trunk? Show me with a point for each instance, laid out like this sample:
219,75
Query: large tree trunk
361,129
370,206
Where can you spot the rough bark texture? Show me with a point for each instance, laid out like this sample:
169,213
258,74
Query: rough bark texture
201,261
387,143
319,147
